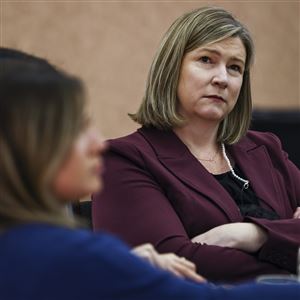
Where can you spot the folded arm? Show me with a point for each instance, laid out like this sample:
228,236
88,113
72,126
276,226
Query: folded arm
243,236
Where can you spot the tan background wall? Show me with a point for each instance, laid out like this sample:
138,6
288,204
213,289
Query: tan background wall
110,44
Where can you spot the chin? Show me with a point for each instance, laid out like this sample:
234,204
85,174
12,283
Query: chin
92,187
213,117
212,114
96,186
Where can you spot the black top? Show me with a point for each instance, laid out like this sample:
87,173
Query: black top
246,199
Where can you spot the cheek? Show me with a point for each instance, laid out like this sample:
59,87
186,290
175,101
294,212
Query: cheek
76,179
190,83
238,86
235,90
63,183
67,179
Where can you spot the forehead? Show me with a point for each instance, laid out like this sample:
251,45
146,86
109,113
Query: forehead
232,47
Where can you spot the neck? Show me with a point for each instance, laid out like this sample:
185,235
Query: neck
199,137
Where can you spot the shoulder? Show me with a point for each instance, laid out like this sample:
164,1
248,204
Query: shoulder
149,142
62,261
123,150
88,245
138,147
254,139
268,142
127,143
51,242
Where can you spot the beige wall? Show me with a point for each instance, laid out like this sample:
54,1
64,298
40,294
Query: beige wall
110,45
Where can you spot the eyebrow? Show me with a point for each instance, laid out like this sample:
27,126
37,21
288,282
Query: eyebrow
218,53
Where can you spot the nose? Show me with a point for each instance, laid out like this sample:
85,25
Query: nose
220,78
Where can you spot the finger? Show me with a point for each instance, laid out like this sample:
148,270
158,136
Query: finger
200,239
148,247
146,252
141,250
188,273
187,263
155,260
182,260
174,272
160,260
297,213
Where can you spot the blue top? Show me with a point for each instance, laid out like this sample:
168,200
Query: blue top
43,262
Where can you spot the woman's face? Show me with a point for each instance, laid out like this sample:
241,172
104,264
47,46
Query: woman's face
210,80
81,172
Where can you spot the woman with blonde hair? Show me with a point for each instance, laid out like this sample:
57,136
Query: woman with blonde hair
194,180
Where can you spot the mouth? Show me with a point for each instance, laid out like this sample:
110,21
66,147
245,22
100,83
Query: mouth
216,97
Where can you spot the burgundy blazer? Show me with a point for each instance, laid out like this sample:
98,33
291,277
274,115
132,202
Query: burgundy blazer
156,191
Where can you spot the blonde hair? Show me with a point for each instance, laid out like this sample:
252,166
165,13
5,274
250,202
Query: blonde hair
41,113
194,29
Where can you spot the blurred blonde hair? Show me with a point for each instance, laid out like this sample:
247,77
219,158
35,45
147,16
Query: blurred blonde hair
41,113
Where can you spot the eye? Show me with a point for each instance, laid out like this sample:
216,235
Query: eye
205,59
236,68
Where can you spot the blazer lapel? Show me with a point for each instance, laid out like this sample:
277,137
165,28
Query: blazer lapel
249,156
177,158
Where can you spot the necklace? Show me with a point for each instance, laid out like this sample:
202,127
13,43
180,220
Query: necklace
246,182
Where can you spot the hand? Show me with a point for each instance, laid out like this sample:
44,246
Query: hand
297,213
243,236
178,266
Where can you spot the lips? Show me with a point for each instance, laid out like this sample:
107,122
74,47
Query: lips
216,97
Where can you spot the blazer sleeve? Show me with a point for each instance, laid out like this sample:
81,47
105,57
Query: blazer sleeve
283,240
289,172
134,207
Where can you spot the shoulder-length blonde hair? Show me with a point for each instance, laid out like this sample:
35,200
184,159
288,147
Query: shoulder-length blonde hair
192,30
41,113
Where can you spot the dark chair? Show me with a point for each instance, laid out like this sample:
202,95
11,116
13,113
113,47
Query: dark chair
83,209
285,124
